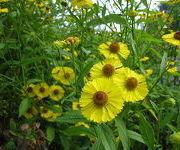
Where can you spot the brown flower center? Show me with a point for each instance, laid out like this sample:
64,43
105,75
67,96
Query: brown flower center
45,111
131,83
114,47
71,40
42,89
108,70
30,110
100,98
47,8
56,92
177,35
66,75
29,89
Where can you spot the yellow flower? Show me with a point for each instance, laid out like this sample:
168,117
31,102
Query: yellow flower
82,3
75,106
29,90
42,90
59,44
4,10
45,113
39,4
49,114
149,72
100,100
144,59
4,1
114,49
170,68
31,112
132,13
132,85
82,124
74,53
63,74
174,69
172,38
46,10
56,92
107,69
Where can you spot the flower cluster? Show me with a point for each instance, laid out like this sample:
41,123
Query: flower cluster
111,84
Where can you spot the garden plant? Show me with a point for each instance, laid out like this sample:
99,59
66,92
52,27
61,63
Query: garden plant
89,75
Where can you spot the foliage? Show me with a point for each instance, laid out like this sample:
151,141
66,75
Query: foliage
37,36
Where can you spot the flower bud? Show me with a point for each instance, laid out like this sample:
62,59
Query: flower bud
175,138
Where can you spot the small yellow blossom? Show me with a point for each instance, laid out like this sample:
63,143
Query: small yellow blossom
56,92
82,3
170,67
31,112
75,106
4,10
149,72
4,1
42,90
82,124
144,59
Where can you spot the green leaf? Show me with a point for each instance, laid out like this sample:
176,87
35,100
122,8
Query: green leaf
2,45
163,63
147,132
97,145
135,136
156,53
105,134
71,117
150,110
145,3
122,133
76,131
50,134
112,18
24,105
168,117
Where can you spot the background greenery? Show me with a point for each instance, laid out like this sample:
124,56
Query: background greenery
27,55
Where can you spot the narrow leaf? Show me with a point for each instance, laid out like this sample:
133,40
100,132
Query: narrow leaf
122,133
147,132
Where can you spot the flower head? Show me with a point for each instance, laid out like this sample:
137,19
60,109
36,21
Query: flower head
132,85
114,49
75,106
148,72
170,67
56,92
172,38
41,90
82,3
4,10
31,112
72,40
29,90
49,114
63,74
107,69
100,100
